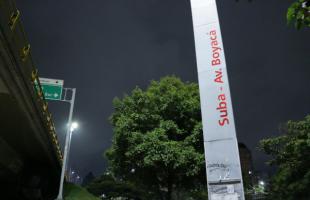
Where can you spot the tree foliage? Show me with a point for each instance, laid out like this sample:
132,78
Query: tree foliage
299,14
111,188
88,178
158,141
291,153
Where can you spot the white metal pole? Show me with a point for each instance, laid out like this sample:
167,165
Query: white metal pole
67,143
68,157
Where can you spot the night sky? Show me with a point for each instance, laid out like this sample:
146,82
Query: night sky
105,48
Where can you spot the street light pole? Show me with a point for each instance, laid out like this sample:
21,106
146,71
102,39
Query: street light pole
67,146
68,157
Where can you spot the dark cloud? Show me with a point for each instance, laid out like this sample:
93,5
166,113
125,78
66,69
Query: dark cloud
105,48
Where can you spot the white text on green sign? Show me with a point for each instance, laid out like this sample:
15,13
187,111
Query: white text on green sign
52,88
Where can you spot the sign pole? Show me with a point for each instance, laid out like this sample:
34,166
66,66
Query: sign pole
68,158
67,146
220,142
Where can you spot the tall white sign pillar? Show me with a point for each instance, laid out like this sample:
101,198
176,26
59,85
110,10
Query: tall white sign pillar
221,147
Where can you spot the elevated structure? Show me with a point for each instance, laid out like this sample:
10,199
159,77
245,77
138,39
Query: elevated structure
30,157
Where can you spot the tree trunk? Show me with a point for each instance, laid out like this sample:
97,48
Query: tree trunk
169,192
169,187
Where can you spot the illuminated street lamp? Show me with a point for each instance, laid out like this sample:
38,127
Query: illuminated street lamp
72,126
261,184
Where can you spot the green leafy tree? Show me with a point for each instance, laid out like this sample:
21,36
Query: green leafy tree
111,188
299,14
291,154
158,142
88,178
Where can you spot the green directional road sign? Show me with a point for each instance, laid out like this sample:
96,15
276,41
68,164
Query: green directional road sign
52,88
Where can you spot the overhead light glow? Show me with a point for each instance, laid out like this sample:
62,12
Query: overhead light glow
74,126
262,183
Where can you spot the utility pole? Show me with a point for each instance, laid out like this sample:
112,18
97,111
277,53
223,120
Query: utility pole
67,144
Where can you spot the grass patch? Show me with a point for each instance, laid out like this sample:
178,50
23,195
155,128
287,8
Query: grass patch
74,192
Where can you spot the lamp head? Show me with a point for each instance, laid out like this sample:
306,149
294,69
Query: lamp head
262,183
74,126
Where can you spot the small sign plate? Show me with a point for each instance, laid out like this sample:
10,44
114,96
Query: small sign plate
52,88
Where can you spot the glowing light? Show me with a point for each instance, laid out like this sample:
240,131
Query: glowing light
262,183
74,126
